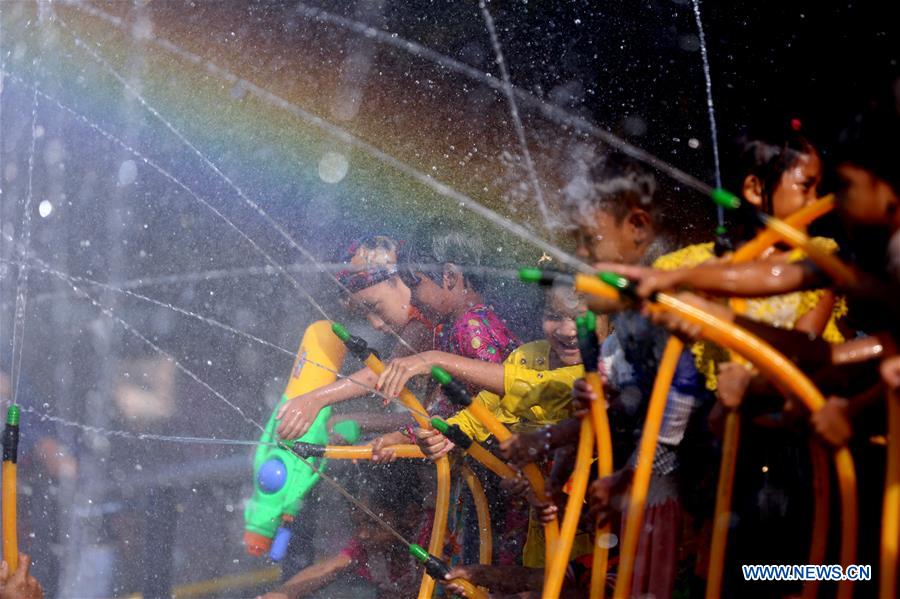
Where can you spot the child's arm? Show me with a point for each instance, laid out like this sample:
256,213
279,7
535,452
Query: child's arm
484,375
297,414
761,278
312,578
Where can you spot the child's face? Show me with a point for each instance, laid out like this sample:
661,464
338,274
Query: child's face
559,325
606,239
864,198
431,297
385,305
798,186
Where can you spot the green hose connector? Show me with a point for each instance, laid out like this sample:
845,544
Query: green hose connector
12,415
440,426
440,375
725,198
435,567
614,280
419,552
341,331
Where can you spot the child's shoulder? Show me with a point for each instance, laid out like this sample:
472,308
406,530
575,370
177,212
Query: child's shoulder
534,355
686,257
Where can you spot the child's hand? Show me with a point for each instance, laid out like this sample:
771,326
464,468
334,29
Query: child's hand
649,280
433,444
608,495
890,373
583,396
296,416
733,380
382,454
399,371
480,575
19,585
832,423
525,448
681,327
515,486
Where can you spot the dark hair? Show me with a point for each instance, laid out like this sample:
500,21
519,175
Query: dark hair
612,183
870,139
767,155
432,251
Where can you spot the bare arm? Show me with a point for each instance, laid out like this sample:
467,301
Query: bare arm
313,578
816,320
483,375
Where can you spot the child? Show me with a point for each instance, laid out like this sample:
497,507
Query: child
620,215
374,554
531,389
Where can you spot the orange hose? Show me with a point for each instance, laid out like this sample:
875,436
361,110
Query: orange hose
490,461
596,287
555,570
821,499
646,454
364,452
600,420
10,539
483,512
769,237
722,520
406,396
439,529
890,521
831,264
781,370
472,592
532,473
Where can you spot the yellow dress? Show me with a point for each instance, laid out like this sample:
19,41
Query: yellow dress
782,311
533,397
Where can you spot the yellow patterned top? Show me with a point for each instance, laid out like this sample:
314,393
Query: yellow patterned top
782,311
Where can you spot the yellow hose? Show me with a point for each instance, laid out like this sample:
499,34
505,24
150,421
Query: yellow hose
646,454
890,522
555,571
831,264
600,420
821,471
483,512
439,529
781,370
406,396
769,237
364,452
472,592
532,472
490,461
722,520
10,539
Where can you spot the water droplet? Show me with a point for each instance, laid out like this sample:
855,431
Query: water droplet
127,173
45,208
333,167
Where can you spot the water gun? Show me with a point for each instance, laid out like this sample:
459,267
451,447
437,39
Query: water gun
281,481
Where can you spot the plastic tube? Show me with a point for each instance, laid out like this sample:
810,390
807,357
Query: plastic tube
831,264
646,454
821,471
890,522
483,512
490,461
531,471
364,452
600,419
781,370
439,528
9,471
769,237
722,519
555,570
406,396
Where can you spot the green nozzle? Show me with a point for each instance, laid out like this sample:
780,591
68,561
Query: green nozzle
725,198
440,375
531,275
12,415
614,280
418,552
590,321
342,333
721,230
440,426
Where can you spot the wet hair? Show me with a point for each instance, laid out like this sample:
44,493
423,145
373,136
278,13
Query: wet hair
612,183
369,261
870,139
434,250
767,155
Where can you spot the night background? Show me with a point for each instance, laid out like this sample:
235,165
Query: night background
126,126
